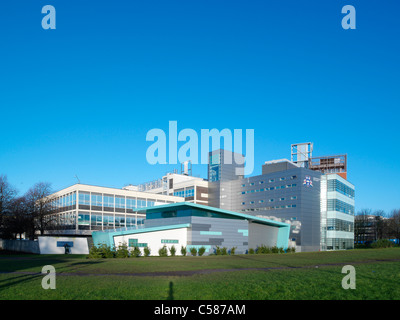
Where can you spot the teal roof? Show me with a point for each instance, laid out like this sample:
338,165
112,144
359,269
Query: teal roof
216,210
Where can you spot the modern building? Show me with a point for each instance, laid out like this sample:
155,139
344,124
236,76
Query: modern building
81,209
284,192
312,195
337,213
318,202
193,225
192,189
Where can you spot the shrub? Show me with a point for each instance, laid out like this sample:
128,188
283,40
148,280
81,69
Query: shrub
218,250
136,252
94,253
172,251
291,250
183,250
146,251
224,251
163,252
193,251
106,251
274,249
251,251
122,251
201,251
382,243
263,249
233,250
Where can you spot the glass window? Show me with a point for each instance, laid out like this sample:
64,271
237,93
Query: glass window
120,202
169,241
83,218
151,203
84,198
141,203
97,200
130,203
108,201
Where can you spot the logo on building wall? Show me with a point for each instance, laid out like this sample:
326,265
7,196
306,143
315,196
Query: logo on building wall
307,182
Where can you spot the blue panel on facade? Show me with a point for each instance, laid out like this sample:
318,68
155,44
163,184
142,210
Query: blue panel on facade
211,233
63,243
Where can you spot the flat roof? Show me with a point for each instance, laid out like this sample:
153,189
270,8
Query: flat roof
115,191
217,210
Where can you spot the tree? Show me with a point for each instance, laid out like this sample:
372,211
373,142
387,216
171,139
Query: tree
394,224
7,195
18,221
40,207
379,224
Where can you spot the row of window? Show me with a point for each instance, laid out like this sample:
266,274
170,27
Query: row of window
111,201
65,200
104,201
169,241
337,243
184,193
340,206
86,218
136,243
270,208
271,200
269,188
340,225
271,180
93,220
336,185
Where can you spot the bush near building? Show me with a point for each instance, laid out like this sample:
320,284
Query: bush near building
104,251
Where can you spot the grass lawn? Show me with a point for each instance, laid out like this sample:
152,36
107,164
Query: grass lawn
315,276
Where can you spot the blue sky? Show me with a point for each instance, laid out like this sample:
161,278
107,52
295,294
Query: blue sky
80,99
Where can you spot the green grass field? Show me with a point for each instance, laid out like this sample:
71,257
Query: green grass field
296,276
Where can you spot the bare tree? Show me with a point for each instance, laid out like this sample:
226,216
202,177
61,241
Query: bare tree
7,194
394,224
18,221
379,225
40,206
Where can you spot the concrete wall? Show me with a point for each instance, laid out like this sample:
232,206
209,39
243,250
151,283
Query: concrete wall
154,239
262,235
54,245
26,246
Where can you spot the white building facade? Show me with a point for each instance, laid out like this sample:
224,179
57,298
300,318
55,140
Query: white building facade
337,213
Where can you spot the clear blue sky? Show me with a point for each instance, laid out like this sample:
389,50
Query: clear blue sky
80,99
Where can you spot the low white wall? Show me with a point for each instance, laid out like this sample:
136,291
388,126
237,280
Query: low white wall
153,239
54,245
